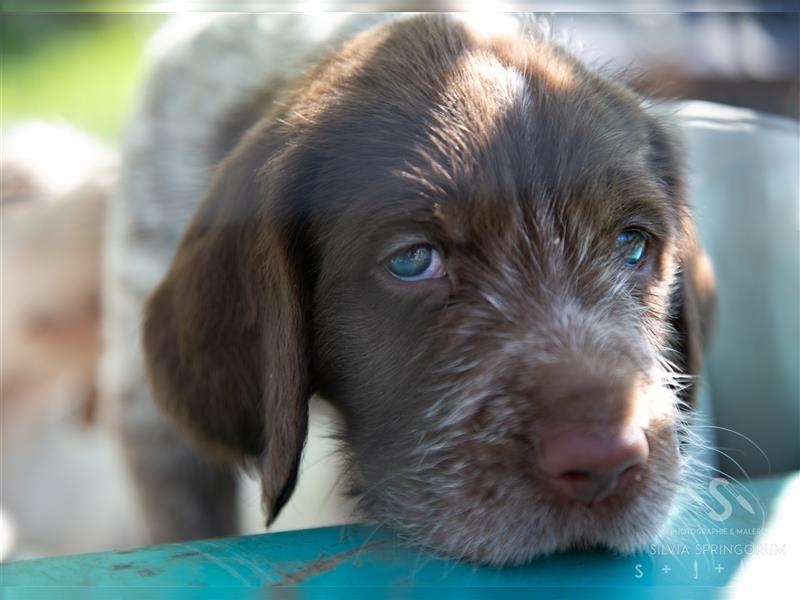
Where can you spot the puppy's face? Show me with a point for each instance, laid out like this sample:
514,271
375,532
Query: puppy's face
480,252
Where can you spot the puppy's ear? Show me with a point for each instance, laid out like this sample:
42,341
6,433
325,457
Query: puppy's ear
225,334
693,308
693,301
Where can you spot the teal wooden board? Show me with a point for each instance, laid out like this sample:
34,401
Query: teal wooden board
759,532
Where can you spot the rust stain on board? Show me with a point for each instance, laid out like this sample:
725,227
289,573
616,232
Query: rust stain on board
184,555
323,564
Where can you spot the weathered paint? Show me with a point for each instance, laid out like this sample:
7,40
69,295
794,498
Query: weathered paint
369,557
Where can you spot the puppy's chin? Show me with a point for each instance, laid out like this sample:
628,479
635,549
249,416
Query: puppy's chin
499,517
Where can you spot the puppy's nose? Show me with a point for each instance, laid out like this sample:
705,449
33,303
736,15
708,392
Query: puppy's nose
588,465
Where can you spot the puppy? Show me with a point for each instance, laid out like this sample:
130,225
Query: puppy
481,253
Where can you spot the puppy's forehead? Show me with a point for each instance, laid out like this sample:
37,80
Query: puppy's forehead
438,114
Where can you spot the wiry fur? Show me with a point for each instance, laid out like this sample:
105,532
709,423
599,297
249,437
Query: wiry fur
521,167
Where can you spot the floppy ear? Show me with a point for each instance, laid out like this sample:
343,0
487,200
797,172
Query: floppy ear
225,334
693,301
693,308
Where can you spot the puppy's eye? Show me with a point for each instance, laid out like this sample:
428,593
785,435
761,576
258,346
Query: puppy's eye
631,246
416,263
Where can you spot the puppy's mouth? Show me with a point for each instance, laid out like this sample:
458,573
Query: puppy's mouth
487,512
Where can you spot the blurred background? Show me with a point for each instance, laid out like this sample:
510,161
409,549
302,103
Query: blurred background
68,82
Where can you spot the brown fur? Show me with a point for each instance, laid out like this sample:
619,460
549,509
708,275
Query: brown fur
520,166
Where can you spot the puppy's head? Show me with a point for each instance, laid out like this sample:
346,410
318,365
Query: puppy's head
481,253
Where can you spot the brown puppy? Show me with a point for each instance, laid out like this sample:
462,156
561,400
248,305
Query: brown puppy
481,253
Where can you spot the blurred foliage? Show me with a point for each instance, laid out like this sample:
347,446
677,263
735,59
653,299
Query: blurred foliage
79,67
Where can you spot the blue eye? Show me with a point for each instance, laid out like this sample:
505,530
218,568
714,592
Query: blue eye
416,263
631,246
